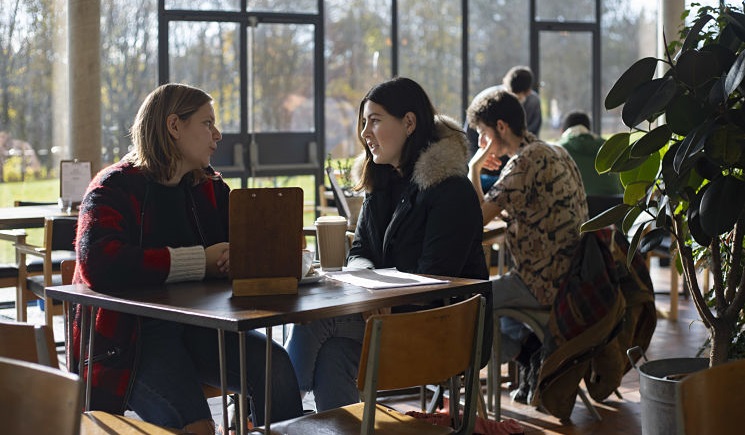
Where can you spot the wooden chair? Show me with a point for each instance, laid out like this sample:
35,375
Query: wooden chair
438,344
59,235
103,423
9,271
28,342
710,401
537,320
35,399
339,198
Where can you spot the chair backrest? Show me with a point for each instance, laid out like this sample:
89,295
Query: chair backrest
29,203
35,399
710,401
422,347
67,268
28,342
341,201
59,233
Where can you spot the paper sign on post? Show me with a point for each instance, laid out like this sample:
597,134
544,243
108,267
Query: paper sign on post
74,179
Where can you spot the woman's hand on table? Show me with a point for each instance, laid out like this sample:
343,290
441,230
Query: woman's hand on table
218,259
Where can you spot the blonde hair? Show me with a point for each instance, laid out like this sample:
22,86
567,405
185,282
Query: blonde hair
155,152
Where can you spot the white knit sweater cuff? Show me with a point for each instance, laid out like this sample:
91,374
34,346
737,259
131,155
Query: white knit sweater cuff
187,264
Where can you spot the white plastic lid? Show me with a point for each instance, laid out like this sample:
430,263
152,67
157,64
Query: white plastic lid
327,220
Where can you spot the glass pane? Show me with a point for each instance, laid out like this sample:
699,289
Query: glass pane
490,21
283,78
565,10
430,50
205,55
358,56
293,6
204,5
566,80
129,69
628,33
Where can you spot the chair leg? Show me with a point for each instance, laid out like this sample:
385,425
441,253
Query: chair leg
590,407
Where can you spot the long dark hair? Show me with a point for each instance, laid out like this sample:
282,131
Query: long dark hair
398,97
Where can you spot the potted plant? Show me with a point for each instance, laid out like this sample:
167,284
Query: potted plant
682,166
682,163
344,177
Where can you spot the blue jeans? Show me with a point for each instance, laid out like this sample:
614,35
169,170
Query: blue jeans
176,359
509,290
326,355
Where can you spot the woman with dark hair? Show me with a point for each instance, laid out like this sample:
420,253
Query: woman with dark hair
420,215
161,216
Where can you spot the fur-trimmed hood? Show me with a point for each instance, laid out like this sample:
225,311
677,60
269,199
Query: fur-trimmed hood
445,158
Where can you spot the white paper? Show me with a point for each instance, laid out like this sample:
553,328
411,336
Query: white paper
382,278
74,179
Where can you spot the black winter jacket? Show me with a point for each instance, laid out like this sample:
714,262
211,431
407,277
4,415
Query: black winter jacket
436,227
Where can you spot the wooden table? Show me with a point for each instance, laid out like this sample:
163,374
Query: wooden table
211,304
494,232
29,216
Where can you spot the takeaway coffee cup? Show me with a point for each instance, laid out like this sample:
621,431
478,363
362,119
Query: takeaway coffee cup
331,235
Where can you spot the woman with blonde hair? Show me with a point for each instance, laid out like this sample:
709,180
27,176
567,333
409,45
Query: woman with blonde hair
160,216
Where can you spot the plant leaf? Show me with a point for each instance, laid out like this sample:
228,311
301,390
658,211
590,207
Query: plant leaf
651,142
724,145
610,151
673,181
647,171
721,205
694,68
635,191
626,163
694,34
707,168
638,73
652,240
648,101
694,219
608,217
736,24
683,113
692,143
634,245
630,219
735,74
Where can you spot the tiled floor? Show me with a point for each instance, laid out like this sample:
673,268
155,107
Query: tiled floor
681,338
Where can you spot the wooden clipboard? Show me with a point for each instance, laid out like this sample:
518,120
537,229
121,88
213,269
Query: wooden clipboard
265,233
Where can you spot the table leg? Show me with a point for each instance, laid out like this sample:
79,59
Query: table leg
83,340
268,382
89,380
223,378
242,414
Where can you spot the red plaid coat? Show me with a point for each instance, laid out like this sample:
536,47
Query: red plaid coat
110,259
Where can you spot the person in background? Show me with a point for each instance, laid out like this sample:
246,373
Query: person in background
582,144
519,81
420,215
160,216
540,196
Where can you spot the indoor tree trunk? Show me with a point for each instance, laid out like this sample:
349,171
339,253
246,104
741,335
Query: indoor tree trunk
720,332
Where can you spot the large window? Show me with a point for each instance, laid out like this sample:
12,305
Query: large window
498,39
363,42
357,51
430,51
